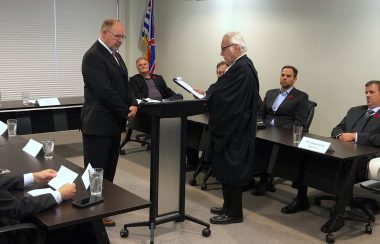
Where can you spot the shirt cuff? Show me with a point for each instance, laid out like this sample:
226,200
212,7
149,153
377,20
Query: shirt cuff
356,137
28,179
57,196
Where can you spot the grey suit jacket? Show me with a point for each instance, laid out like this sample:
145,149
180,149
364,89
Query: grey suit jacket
371,132
293,110
107,101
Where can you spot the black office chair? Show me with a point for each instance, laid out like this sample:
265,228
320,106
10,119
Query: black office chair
16,229
204,161
311,108
141,123
367,208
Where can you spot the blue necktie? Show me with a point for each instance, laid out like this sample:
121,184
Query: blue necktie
369,113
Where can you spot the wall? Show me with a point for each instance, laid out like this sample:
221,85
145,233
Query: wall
334,43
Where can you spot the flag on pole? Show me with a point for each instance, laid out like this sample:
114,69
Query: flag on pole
147,35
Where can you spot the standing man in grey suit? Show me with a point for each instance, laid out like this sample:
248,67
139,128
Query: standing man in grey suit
283,108
232,103
361,125
107,104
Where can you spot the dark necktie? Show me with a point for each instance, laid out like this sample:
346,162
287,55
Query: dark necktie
114,54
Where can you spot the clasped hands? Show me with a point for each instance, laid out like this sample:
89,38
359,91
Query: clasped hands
347,137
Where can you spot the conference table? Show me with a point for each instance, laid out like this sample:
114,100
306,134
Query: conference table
116,199
33,118
332,172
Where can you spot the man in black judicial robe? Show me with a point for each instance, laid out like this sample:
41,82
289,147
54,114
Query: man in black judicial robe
233,104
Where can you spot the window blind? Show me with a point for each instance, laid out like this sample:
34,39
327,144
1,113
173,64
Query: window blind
42,43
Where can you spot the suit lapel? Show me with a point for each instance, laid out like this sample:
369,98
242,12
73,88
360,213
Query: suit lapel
272,97
286,99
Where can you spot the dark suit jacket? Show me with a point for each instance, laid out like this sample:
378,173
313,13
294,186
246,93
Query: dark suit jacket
16,208
232,103
107,101
371,132
139,88
293,110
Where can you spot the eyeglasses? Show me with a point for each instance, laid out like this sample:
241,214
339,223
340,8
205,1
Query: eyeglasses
224,48
118,36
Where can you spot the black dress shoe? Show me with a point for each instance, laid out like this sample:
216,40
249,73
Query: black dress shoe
296,206
263,186
337,225
217,211
224,220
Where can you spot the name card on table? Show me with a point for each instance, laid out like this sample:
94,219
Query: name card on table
48,102
314,145
86,176
32,147
3,127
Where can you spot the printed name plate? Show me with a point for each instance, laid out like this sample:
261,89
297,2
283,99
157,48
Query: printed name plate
3,127
314,145
48,102
32,147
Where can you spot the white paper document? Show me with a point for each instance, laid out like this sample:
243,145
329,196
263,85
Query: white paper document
86,176
32,147
38,192
64,175
187,87
314,145
3,127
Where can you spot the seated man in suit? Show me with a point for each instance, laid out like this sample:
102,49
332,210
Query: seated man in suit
13,208
284,108
360,125
146,85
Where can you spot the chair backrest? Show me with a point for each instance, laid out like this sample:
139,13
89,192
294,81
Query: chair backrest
311,108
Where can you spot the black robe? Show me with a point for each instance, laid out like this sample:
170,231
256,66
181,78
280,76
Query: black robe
233,105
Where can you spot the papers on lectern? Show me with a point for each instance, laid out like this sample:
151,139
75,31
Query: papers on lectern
187,87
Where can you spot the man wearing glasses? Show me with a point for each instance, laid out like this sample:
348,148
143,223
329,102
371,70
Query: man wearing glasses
107,104
233,104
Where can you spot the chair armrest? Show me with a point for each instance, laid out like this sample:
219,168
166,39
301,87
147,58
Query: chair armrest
40,234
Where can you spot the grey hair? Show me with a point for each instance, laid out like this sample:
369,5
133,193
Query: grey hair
236,38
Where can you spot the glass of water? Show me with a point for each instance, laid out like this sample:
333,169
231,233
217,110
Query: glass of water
25,98
96,181
12,127
48,147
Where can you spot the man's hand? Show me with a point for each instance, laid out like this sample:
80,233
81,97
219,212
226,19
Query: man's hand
132,112
67,191
200,91
44,175
347,137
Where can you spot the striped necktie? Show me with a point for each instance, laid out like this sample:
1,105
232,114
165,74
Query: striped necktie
114,54
369,113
